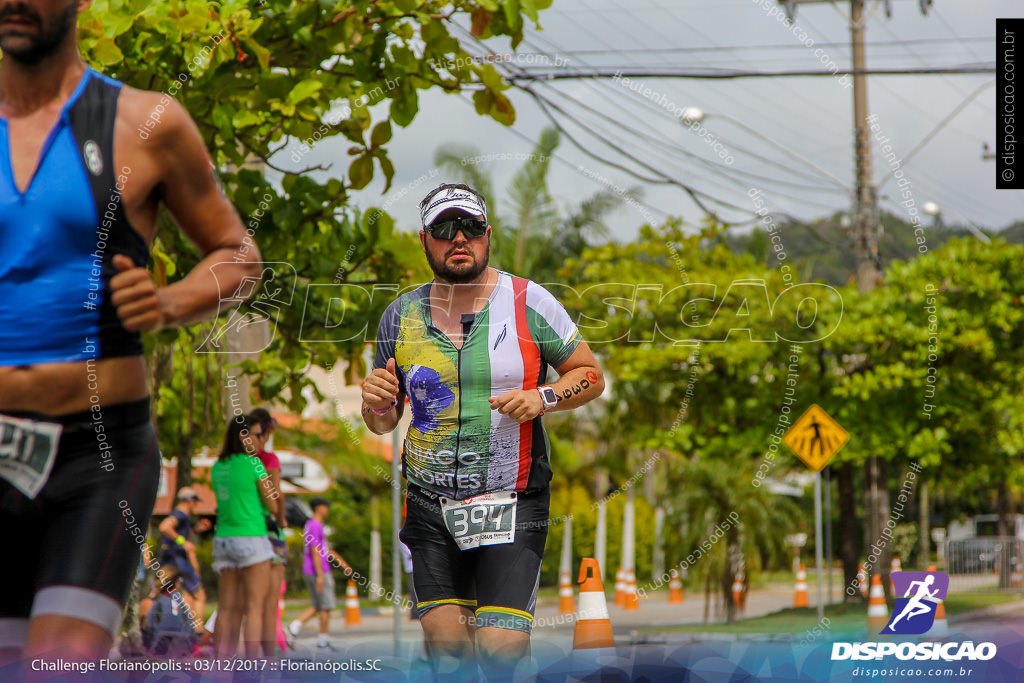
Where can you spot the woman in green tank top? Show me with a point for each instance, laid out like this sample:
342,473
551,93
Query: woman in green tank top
241,550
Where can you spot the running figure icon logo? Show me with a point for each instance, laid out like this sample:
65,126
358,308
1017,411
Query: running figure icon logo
914,613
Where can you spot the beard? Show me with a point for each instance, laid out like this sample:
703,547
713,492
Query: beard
462,273
52,33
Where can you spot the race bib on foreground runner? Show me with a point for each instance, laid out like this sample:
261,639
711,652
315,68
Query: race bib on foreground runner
489,519
27,451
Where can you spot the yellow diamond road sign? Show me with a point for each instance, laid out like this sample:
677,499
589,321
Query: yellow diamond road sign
816,438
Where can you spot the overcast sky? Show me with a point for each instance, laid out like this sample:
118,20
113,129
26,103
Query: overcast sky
752,120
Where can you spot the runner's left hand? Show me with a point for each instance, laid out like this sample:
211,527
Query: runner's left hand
519,404
136,297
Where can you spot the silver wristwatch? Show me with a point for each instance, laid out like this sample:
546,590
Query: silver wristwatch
548,395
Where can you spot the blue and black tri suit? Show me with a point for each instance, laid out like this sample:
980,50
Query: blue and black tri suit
76,543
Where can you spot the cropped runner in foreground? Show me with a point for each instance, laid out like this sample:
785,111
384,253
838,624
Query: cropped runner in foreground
79,192
471,350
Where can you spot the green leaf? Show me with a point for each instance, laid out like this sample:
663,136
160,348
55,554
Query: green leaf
106,52
387,168
304,89
529,10
261,53
360,172
271,383
381,134
404,108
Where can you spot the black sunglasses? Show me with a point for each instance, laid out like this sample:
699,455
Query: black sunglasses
446,230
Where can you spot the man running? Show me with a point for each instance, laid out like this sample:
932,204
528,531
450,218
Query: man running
471,350
79,192
180,552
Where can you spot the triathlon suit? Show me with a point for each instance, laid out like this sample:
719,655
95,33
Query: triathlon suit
75,518
458,448
177,556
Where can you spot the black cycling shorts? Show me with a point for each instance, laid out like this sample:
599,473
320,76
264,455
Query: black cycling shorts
75,548
499,582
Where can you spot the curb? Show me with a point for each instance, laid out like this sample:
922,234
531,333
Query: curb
986,612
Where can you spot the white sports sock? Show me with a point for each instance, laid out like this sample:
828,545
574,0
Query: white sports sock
295,627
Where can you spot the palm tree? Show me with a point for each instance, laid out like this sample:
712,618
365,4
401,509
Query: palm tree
718,513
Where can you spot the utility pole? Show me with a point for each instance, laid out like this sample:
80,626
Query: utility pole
865,228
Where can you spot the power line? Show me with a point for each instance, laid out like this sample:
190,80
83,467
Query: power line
537,75
776,46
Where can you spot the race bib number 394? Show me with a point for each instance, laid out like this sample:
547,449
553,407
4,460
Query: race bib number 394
489,519
27,451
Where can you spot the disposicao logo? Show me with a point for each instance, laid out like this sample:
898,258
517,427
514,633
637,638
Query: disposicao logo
914,613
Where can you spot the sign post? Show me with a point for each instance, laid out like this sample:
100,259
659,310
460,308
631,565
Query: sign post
815,438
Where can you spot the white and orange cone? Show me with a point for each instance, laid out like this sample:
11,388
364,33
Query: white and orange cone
566,604
878,612
352,615
620,587
862,580
800,594
632,601
737,589
675,588
895,566
593,626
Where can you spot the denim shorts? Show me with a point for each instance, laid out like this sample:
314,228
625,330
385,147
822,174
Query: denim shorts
236,552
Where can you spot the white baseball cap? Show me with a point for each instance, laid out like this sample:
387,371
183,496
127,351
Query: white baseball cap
447,197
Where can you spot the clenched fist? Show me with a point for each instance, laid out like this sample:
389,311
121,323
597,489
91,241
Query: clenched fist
135,297
380,390
519,404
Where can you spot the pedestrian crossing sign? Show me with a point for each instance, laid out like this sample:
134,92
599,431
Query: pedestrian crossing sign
816,438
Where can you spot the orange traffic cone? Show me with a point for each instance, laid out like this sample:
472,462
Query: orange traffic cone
352,615
632,601
737,589
862,580
1018,577
878,613
566,605
675,588
894,567
800,597
941,626
593,627
620,587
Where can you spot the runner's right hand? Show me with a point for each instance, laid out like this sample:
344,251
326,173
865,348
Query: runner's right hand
320,583
380,390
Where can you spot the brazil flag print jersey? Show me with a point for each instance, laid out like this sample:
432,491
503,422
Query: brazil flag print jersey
456,445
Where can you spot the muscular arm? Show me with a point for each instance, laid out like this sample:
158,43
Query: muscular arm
183,178
169,527
580,379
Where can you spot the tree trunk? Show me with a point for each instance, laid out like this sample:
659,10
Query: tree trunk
849,550
187,430
923,523
1007,546
882,517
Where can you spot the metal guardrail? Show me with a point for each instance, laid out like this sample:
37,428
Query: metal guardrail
985,563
